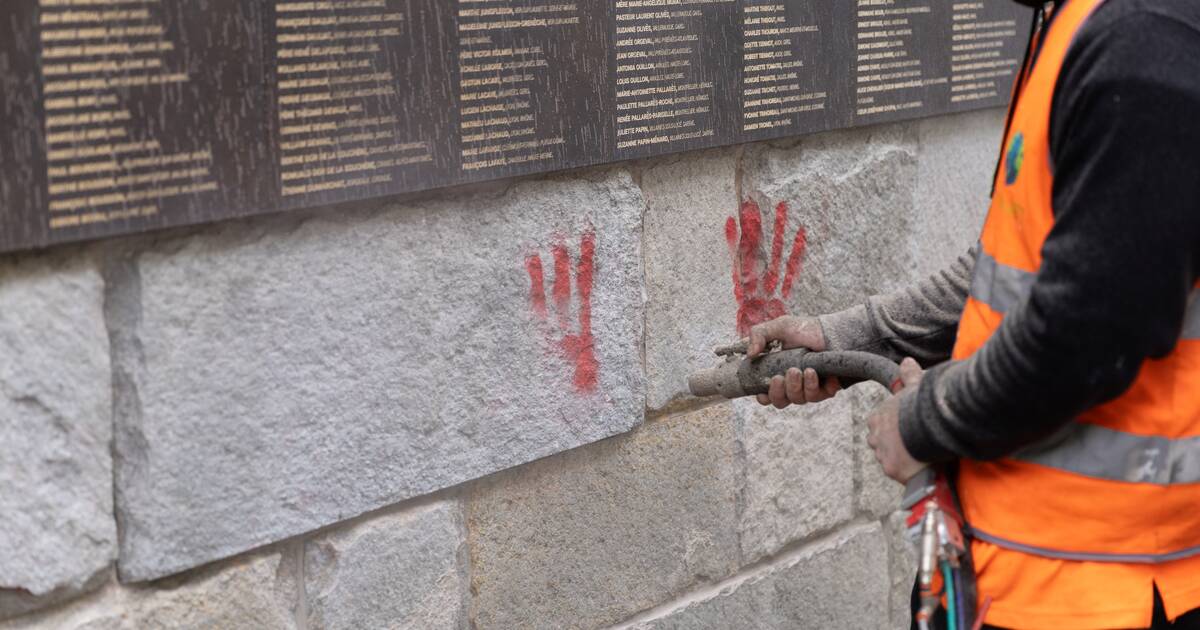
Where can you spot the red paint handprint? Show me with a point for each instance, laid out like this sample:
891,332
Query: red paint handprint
579,349
755,281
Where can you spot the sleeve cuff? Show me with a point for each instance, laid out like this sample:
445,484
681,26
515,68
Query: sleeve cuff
917,437
848,329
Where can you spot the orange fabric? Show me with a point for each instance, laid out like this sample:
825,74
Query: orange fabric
977,323
1044,507
1164,400
1063,595
1053,509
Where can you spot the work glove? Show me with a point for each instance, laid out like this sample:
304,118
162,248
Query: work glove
796,387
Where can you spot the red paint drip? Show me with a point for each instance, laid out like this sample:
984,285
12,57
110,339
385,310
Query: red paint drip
584,277
772,277
731,234
751,222
561,291
537,285
581,349
795,261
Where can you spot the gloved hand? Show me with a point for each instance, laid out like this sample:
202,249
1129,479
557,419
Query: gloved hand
796,387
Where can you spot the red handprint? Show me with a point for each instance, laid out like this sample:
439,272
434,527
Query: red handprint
579,349
754,282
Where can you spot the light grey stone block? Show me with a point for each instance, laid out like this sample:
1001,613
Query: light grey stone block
251,592
57,533
286,376
903,569
852,193
588,538
878,207
841,583
842,202
957,158
881,206
690,305
405,571
799,475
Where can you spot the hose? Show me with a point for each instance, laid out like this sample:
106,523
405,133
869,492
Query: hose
735,379
960,593
951,599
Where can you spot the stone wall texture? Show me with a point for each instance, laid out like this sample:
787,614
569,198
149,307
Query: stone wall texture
397,350
57,534
468,409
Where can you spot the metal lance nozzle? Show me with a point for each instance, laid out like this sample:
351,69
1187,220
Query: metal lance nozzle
736,378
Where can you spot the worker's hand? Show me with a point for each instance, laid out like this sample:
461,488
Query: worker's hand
883,428
792,330
796,387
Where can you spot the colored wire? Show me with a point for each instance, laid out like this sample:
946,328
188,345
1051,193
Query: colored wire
982,614
951,603
960,592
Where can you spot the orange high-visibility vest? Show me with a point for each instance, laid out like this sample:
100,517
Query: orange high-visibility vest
1121,483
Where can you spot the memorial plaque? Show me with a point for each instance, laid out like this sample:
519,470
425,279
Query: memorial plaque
531,81
361,98
674,68
789,77
983,62
145,114
127,115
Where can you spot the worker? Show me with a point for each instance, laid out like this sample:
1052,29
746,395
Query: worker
1061,355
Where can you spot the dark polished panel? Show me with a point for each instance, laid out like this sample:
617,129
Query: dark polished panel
121,116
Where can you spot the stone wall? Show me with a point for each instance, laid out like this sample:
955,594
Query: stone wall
468,409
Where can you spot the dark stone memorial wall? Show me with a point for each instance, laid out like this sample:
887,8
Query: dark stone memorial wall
121,116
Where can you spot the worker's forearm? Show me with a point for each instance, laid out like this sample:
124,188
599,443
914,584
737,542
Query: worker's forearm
1026,382
1048,362
919,321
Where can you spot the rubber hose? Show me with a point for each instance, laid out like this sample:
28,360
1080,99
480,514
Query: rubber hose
735,379
951,602
964,619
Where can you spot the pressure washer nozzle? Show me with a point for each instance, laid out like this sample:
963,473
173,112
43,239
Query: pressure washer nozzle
718,381
738,376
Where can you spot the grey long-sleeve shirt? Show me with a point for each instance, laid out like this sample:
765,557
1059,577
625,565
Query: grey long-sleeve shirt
1118,266
919,322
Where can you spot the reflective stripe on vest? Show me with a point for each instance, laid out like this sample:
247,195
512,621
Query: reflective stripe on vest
1191,322
1132,558
1001,287
1004,288
1103,453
